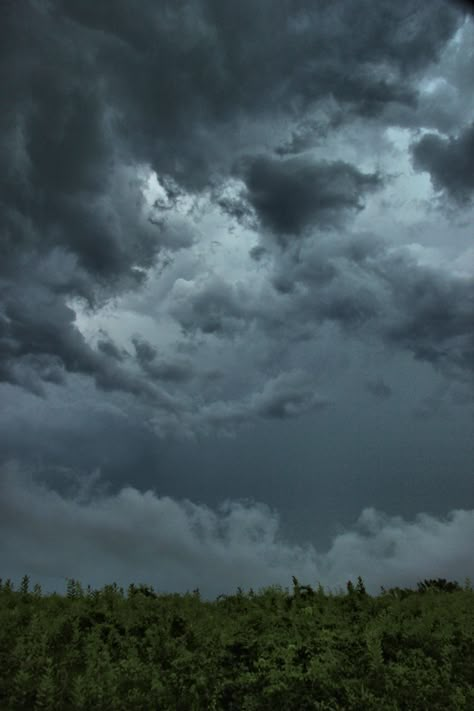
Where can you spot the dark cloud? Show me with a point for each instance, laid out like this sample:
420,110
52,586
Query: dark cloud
288,395
239,544
210,51
309,133
145,352
40,328
430,314
465,5
210,305
368,288
89,102
62,186
449,161
177,371
434,317
282,397
39,342
90,108
379,389
294,193
257,252
194,172
77,430
109,348
237,207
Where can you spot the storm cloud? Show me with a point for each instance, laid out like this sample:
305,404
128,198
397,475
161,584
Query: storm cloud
449,161
91,111
289,195
233,238
178,546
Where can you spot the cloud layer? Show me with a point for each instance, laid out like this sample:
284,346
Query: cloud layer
177,546
84,130
250,220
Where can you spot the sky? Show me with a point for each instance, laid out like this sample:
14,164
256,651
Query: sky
236,293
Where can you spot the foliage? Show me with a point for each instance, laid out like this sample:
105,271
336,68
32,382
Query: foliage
308,649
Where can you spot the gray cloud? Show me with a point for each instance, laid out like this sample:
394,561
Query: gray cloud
449,161
145,352
86,111
39,342
175,546
379,389
284,396
205,218
147,357
176,371
369,288
465,5
215,77
210,305
112,88
257,252
238,208
288,395
292,194
434,319
108,347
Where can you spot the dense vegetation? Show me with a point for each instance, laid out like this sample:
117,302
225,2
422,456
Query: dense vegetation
308,649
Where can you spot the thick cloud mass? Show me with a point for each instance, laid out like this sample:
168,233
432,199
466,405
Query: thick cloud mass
178,546
295,193
95,96
449,161
219,217
364,286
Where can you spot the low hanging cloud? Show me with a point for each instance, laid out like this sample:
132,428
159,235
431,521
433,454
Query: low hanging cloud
176,546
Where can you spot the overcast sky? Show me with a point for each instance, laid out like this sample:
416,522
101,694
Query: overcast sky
236,292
